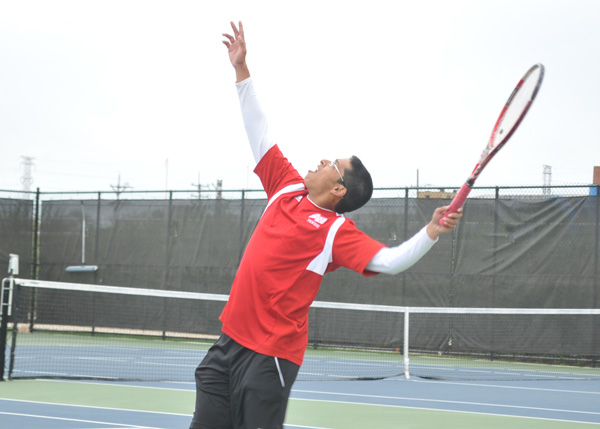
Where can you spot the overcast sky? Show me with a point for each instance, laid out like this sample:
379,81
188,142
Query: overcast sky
144,90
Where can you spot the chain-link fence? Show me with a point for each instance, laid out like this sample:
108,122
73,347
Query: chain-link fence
515,246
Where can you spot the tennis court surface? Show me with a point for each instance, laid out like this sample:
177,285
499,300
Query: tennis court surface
389,403
61,330
389,367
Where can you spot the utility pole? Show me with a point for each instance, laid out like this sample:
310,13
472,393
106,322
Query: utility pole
218,187
199,186
118,188
546,190
27,177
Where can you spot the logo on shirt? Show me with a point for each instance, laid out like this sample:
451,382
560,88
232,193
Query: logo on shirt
316,220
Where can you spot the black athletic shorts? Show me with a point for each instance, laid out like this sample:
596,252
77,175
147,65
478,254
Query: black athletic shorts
239,388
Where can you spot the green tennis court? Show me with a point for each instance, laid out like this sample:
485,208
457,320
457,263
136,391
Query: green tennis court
86,373
358,404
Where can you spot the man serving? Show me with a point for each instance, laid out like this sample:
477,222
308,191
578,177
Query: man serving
246,377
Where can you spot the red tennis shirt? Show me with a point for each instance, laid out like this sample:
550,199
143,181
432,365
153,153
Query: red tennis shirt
294,244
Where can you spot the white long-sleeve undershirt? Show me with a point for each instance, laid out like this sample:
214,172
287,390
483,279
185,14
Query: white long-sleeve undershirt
393,260
389,260
255,121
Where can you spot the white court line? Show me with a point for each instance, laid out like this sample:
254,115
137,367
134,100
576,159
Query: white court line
443,401
285,426
119,425
403,398
125,385
487,386
58,404
114,425
510,416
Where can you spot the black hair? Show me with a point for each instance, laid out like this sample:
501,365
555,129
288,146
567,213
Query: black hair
359,187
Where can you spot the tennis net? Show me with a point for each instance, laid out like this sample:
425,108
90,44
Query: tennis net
70,330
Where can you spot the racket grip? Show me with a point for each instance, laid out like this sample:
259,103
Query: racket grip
457,202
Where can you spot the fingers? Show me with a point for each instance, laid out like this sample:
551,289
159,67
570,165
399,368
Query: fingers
231,40
458,214
452,219
442,225
448,221
442,209
237,32
449,224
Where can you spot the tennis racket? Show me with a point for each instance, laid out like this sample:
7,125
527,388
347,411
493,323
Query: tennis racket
511,116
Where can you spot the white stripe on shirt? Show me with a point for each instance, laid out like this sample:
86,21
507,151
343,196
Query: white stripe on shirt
289,188
319,264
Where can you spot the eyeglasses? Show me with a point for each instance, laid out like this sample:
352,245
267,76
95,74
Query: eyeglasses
334,165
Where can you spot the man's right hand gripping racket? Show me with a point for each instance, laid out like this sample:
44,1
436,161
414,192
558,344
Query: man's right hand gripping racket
511,116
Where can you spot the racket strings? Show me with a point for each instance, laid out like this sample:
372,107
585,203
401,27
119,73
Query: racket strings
517,105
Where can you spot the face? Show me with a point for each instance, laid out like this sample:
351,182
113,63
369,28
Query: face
327,174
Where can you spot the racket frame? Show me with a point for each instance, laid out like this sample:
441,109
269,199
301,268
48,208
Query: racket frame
490,150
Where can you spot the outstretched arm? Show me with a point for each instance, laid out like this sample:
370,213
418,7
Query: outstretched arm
236,46
255,121
393,260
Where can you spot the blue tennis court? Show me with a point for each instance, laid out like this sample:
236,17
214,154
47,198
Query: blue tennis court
327,404
153,360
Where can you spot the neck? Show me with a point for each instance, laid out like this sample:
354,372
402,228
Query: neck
321,206
323,202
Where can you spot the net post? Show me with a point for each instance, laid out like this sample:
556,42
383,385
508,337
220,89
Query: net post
3,322
406,330
15,327
97,238
597,249
5,291
36,238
